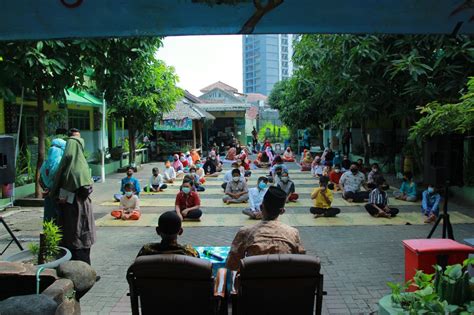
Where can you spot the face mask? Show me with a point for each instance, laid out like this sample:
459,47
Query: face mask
285,179
186,190
337,170
128,193
198,165
182,159
213,158
262,185
430,190
192,173
236,178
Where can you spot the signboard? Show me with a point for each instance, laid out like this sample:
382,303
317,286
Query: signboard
174,125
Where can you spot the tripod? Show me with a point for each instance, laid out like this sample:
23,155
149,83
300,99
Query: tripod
447,227
14,239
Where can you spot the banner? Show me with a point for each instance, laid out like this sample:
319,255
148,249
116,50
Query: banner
174,125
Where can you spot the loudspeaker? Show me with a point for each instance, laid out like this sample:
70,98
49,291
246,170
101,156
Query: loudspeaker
7,160
443,160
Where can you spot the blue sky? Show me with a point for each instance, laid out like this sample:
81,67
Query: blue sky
202,60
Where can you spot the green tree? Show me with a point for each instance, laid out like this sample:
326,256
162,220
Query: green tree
44,69
138,87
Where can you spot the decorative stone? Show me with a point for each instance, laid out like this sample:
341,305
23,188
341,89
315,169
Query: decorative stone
11,268
81,274
34,304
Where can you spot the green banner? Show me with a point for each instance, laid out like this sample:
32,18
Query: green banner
174,125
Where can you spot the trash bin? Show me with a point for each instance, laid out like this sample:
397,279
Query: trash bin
422,254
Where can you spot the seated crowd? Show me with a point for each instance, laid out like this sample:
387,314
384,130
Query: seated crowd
335,173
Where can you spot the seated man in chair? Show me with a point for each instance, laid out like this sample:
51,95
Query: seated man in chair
169,228
269,236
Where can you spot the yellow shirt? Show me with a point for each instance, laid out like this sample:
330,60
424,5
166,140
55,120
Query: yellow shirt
320,201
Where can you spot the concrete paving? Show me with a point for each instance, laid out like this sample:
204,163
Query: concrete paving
357,261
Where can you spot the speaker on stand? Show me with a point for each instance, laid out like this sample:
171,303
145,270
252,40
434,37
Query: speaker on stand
443,167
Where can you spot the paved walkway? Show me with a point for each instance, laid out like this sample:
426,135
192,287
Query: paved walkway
357,260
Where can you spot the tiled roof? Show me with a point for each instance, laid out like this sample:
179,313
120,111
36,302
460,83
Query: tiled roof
252,112
186,109
193,98
254,97
220,85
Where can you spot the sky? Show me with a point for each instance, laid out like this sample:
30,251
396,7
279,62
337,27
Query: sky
202,60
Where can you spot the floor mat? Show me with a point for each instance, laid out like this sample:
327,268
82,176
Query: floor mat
343,219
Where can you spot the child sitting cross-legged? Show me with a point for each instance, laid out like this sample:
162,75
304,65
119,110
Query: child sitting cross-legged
156,182
323,199
129,205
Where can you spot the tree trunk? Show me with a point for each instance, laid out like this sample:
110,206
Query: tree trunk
41,136
131,143
365,142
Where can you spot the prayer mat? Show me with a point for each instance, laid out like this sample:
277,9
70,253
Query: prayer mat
298,219
218,203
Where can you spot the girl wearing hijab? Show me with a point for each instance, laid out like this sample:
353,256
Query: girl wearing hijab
288,155
306,161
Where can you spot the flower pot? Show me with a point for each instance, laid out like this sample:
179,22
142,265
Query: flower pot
25,255
386,306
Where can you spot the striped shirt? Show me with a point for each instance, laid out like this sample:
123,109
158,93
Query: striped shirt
378,197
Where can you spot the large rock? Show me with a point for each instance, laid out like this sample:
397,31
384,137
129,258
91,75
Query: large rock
34,304
81,274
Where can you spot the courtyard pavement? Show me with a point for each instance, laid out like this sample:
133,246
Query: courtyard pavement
357,261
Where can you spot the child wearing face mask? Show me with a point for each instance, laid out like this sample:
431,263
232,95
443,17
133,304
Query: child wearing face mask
187,203
236,190
256,195
288,186
430,204
128,179
335,175
196,179
129,205
156,182
200,171
378,201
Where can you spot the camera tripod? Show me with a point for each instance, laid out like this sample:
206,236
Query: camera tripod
447,227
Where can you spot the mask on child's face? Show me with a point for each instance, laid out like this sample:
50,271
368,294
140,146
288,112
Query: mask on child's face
430,190
198,165
337,170
236,178
186,190
284,179
262,185
128,193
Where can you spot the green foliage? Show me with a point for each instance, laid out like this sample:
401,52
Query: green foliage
25,172
53,236
137,86
439,293
344,80
277,133
34,249
438,119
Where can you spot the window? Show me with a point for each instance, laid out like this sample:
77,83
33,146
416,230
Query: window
285,72
79,119
284,49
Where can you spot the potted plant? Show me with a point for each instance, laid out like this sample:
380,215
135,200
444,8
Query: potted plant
46,254
444,292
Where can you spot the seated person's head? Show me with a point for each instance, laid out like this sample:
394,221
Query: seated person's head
169,226
278,170
235,174
285,177
198,164
380,182
360,162
155,171
129,171
278,160
431,189
188,178
264,157
408,176
187,186
337,168
175,157
262,182
129,189
324,182
192,170
235,165
375,167
273,203
354,168
167,164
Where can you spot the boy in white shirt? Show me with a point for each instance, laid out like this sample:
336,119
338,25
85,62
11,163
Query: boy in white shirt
156,182
169,174
256,195
129,205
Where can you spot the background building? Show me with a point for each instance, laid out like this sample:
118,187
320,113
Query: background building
266,60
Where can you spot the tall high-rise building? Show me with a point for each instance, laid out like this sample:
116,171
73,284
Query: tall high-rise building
266,60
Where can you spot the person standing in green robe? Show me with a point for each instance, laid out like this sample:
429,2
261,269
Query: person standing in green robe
72,188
